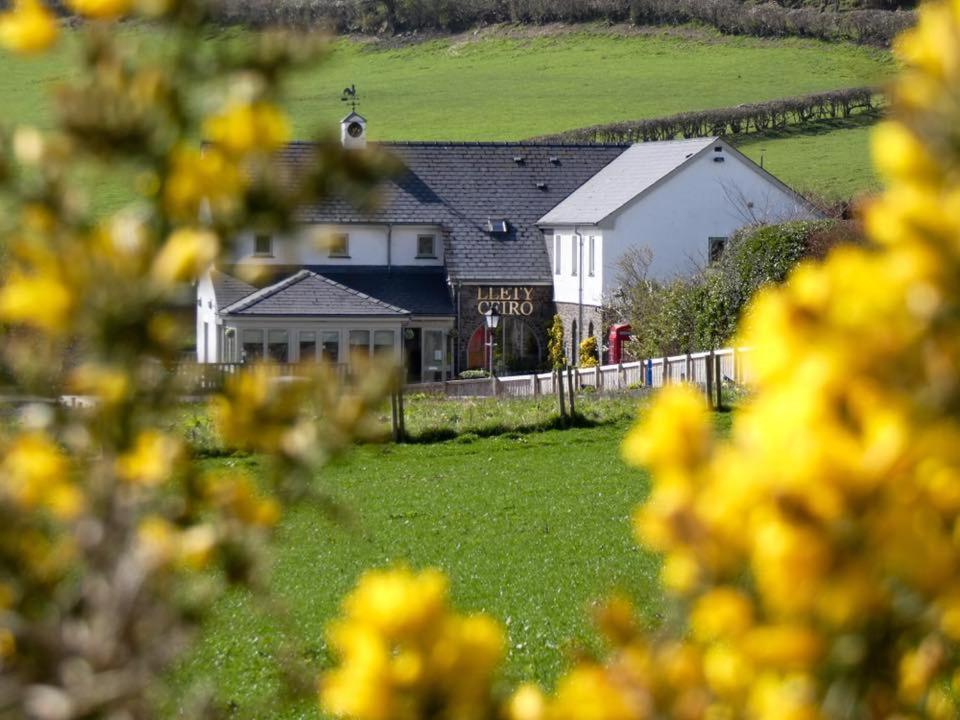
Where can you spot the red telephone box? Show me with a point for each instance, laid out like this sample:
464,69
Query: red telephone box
619,334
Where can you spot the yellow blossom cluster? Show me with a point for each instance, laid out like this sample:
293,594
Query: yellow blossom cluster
406,655
114,541
818,548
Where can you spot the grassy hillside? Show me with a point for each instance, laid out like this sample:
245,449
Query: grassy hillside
510,84
832,160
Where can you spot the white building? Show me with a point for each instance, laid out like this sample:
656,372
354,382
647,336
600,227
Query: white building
681,200
530,229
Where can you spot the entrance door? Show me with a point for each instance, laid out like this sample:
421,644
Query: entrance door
412,351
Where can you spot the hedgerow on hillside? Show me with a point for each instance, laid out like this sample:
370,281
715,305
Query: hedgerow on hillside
729,16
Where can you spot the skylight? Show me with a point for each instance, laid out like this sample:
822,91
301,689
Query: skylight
497,225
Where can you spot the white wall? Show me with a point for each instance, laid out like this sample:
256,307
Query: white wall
367,246
703,199
566,286
207,313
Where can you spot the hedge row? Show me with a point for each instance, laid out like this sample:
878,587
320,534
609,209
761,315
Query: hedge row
729,16
756,117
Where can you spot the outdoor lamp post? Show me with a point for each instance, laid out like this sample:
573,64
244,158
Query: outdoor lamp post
492,317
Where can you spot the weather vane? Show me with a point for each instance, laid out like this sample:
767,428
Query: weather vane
349,95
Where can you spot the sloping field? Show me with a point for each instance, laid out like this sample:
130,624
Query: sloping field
509,84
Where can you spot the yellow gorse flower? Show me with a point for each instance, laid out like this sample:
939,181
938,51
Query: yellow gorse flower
185,255
29,28
34,473
244,128
152,460
101,9
403,652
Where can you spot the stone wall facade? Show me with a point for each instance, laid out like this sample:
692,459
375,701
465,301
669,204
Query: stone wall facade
573,333
529,305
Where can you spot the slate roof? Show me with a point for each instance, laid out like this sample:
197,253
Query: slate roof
307,294
228,289
631,174
418,290
461,186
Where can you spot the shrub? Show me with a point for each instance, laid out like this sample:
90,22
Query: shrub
588,352
703,311
473,374
555,354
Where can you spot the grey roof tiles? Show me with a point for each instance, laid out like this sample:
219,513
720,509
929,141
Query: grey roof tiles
460,186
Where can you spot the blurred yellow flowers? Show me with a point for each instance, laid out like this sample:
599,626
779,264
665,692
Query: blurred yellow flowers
29,28
243,128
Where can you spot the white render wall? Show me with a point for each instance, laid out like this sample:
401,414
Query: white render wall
566,286
704,199
367,246
207,314
675,220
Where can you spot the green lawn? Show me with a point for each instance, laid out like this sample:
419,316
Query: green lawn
530,528
503,86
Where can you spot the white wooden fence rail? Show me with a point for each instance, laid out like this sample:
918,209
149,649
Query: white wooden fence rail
656,372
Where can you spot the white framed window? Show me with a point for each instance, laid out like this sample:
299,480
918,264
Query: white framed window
278,345
263,245
592,255
715,248
383,342
252,345
359,343
426,246
307,346
573,255
330,346
557,265
339,245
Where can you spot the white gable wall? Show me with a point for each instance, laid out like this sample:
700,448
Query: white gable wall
566,286
703,199
207,329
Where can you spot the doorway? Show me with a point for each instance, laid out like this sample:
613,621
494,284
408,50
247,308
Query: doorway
413,352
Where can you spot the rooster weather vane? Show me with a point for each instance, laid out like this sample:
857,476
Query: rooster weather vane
349,95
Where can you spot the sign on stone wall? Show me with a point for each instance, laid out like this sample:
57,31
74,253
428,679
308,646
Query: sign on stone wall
506,300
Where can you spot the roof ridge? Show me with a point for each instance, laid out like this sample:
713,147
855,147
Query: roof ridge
265,292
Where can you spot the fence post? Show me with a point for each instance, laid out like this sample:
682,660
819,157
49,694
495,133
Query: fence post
709,363
402,424
689,372
395,421
535,384
718,377
572,388
620,376
558,389
598,378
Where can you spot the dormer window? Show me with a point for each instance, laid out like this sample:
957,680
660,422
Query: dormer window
339,245
263,245
426,246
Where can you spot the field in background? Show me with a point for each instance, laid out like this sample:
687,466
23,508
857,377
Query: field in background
506,84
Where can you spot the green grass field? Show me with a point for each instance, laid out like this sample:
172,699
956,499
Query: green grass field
503,84
530,527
